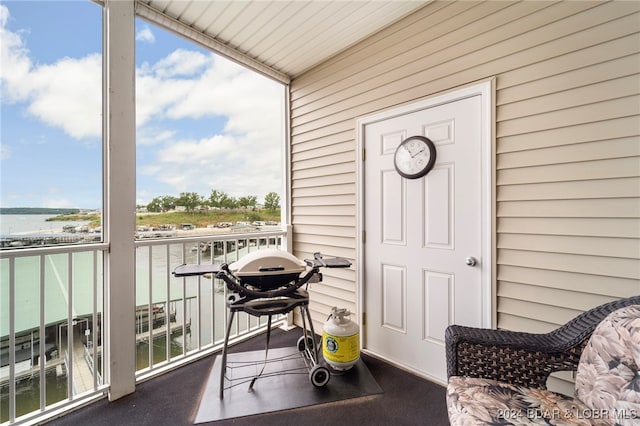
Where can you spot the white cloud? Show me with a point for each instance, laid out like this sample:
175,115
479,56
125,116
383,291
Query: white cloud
4,15
151,135
146,35
223,89
54,198
57,203
66,94
5,152
182,62
15,61
236,165
246,159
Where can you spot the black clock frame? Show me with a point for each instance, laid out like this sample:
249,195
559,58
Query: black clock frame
432,158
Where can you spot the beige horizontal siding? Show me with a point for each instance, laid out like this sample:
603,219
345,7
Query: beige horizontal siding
587,132
574,282
562,80
346,221
314,191
323,160
328,230
587,170
321,151
510,315
587,151
615,207
570,98
567,153
327,250
319,181
604,110
542,295
592,188
605,267
578,226
592,246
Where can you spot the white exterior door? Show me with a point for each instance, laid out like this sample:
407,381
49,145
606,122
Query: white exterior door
422,236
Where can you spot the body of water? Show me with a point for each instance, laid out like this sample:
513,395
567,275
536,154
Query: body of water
32,223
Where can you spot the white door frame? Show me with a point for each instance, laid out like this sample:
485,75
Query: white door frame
486,90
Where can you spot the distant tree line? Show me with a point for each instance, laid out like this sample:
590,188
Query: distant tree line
36,210
192,201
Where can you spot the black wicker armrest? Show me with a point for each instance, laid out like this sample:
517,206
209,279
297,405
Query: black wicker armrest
519,358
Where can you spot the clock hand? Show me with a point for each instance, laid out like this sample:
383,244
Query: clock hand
417,152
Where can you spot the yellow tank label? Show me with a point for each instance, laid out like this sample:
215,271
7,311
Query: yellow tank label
340,348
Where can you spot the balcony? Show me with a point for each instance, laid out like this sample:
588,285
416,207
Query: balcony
53,336
173,398
185,318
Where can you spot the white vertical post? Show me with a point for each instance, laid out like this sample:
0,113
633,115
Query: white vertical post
12,339
70,328
120,191
285,202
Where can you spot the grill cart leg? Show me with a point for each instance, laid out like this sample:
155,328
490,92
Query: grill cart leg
223,368
319,375
266,355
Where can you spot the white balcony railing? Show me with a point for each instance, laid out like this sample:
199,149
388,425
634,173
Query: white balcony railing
52,299
186,318
51,304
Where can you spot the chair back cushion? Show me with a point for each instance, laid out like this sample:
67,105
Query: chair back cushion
607,379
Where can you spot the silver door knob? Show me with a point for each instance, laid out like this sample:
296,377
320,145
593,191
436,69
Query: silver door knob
471,261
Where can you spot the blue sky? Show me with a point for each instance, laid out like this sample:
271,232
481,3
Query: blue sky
203,122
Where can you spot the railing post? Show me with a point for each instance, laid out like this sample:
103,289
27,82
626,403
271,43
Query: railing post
287,242
120,190
287,245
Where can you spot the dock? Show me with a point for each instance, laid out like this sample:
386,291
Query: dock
82,371
31,240
174,327
27,372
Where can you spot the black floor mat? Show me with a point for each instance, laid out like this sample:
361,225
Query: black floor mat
284,384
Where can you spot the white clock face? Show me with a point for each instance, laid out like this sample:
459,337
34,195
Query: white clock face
412,158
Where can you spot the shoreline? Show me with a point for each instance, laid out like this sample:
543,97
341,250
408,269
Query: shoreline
151,234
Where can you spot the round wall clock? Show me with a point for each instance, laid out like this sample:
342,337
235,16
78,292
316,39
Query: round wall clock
414,157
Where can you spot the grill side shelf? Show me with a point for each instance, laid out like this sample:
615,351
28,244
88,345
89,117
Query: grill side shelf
319,262
191,270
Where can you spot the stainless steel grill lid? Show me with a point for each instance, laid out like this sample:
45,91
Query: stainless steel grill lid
268,268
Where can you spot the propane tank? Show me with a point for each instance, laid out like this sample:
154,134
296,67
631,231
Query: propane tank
340,340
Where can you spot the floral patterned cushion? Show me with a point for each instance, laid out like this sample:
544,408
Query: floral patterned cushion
472,401
607,376
607,386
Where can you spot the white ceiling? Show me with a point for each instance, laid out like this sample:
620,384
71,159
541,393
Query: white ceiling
287,36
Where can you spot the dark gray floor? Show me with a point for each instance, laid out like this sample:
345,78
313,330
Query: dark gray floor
173,399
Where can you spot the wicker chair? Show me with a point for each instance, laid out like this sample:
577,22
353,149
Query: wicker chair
518,361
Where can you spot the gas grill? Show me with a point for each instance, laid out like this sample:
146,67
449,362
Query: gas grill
269,282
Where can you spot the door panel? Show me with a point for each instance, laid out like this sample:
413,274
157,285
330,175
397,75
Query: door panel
437,296
438,208
419,232
393,212
394,298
